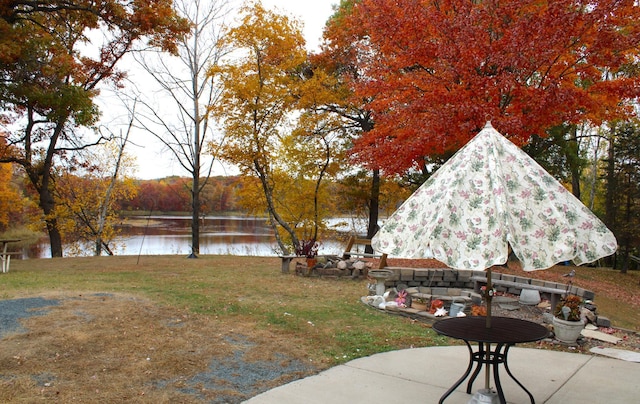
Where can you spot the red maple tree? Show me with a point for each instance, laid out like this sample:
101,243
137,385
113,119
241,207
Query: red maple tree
436,71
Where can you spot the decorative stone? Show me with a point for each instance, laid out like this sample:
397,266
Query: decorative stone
588,314
360,265
529,297
547,318
602,321
509,307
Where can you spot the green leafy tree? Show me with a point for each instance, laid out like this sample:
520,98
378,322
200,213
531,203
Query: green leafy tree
623,189
560,154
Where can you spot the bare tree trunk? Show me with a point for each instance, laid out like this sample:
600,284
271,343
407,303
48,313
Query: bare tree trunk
627,220
104,208
41,179
55,238
611,188
193,94
574,160
374,209
195,215
273,212
594,172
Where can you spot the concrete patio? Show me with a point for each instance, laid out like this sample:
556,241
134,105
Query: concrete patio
424,374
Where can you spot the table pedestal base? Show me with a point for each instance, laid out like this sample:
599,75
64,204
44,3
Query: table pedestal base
488,357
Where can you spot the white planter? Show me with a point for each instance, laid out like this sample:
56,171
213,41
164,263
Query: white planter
567,331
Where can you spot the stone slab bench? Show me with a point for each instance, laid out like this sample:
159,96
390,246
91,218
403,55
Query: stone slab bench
353,241
555,293
286,260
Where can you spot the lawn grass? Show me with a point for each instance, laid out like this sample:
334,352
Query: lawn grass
324,315
164,329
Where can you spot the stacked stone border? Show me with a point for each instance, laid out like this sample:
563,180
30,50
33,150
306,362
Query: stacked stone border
453,285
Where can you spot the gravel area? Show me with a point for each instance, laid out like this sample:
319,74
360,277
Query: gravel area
11,311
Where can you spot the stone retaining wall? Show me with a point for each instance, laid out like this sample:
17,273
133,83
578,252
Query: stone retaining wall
445,278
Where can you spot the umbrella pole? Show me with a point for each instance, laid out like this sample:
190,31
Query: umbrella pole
489,296
487,371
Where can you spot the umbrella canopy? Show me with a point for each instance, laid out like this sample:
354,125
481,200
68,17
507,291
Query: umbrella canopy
488,196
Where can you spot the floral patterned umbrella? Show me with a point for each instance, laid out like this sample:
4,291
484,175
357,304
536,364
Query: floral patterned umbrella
488,196
491,195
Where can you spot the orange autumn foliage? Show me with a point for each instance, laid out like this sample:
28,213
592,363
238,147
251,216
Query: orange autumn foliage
436,71
10,201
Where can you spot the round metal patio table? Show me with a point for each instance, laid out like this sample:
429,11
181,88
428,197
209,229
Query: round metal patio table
504,332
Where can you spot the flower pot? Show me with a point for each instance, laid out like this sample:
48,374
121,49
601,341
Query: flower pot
419,306
567,331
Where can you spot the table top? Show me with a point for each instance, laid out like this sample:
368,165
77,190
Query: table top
10,240
504,330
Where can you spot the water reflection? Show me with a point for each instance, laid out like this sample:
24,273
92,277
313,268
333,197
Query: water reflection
219,235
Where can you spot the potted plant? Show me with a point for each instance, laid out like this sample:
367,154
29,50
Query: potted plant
419,303
309,249
567,322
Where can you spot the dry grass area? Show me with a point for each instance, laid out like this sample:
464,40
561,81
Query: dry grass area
171,329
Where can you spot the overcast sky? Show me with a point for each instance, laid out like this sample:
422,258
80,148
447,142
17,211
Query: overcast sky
154,163
313,13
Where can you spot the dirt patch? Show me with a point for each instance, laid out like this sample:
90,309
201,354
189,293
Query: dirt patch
115,348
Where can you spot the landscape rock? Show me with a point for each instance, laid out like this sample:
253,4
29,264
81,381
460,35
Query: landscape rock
602,321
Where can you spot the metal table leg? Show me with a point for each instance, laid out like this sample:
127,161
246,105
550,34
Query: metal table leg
464,376
506,367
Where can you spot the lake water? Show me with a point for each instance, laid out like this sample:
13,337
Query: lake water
219,235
